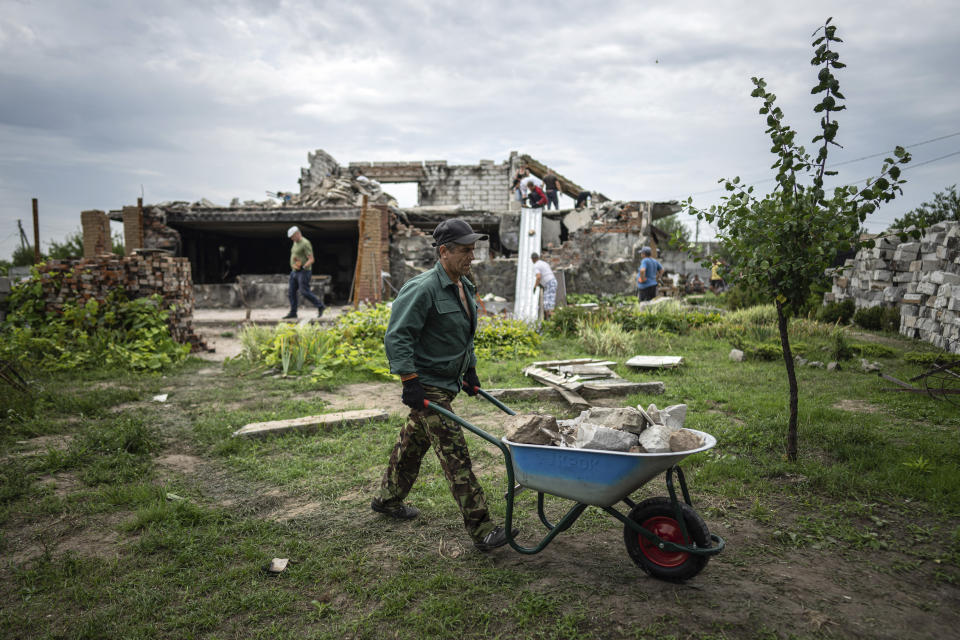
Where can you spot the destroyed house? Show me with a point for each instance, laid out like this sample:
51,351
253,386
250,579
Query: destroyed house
366,246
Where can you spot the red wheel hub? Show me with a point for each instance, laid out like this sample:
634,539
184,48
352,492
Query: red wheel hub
668,529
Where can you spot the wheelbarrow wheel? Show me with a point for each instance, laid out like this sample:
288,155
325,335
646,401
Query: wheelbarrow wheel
658,515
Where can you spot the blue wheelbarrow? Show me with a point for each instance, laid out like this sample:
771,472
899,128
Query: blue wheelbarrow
664,536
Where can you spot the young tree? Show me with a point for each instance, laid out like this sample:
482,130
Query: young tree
782,241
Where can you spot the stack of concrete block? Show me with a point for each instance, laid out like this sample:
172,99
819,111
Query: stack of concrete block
921,277
138,275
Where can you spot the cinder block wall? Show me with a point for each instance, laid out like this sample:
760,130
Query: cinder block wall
922,278
483,186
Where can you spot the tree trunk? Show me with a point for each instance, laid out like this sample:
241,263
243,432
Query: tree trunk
792,379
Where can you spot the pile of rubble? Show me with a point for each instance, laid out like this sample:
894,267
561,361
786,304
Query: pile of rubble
334,191
922,277
628,429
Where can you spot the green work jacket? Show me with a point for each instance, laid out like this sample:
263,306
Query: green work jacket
430,333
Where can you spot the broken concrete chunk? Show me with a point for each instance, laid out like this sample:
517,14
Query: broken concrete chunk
868,366
277,565
532,428
654,414
593,436
656,439
684,440
654,362
736,355
623,418
673,416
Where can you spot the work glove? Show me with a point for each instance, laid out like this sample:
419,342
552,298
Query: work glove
413,395
471,381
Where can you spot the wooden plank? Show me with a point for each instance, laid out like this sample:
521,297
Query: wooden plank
557,363
588,370
588,392
546,377
310,424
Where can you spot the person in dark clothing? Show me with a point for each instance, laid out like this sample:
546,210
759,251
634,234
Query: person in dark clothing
582,198
429,344
535,196
552,184
517,186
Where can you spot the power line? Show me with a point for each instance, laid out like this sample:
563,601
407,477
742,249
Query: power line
883,153
875,155
914,166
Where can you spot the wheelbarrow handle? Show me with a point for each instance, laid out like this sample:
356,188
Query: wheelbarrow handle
463,423
489,397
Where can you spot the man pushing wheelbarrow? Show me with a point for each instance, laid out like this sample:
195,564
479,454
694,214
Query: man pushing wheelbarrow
429,343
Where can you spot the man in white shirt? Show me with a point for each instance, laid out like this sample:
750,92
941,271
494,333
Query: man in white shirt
546,281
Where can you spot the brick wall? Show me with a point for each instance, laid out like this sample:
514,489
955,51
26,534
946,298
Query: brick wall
139,275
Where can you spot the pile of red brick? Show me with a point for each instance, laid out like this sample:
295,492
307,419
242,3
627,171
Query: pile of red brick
139,275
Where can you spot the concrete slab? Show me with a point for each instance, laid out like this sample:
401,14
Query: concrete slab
310,424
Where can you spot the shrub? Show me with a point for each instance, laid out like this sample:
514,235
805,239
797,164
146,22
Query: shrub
739,296
499,338
837,312
131,334
873,350
878,318
604,338
764,315
931,357
841,348
355,342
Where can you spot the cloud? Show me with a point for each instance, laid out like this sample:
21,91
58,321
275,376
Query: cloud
639,101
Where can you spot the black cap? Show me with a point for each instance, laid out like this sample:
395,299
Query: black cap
455,230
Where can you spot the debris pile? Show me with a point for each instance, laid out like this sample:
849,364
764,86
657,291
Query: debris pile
923,278
342,191
629,429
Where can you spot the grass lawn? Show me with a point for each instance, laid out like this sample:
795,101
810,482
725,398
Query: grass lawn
123,517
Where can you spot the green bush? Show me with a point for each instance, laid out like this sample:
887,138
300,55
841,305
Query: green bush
837,312
739,296
355,342
931,357
842,350
764,315
873,350
604,338
130,334
500,338
878,318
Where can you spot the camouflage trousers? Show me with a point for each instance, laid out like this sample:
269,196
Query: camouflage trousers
423,429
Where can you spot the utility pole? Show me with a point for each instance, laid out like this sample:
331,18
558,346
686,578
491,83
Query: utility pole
36,233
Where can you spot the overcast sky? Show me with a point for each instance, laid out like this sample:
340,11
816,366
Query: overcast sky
637,100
